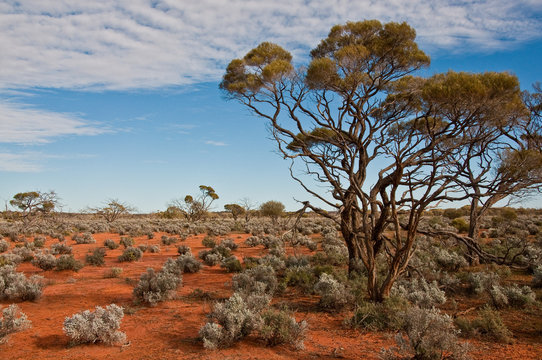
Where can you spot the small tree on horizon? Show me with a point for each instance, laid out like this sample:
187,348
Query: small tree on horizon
113,210
273,209
196,208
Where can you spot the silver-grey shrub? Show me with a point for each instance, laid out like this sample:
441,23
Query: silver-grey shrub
333,294
101,325
131,254
154,287
419,292
512,295
429,334
85,238
249,280
44,261
479,282
60,248
537,277
4,246
229,322
16,286
12,321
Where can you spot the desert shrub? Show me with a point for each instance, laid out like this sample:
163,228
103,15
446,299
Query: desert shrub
257,279
231,264
101,325
449,260
155,287
333,294
210,257
513,295
39,241
188,263
12,321
209,242
184,250
429,335
274,261
419,292
460,224
296,261
479,282
10,259
68,262
44,261
110,244
61,248
229,322
452,213
97,258
131,254
168,240
154,249
143,247
4,246
537,277
15,286
230,244
334,249
24,253
114,272
126,241
85,238
379,316
300,276
488,324
253,241
278,327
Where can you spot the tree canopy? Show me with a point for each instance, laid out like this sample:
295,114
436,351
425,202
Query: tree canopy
386,144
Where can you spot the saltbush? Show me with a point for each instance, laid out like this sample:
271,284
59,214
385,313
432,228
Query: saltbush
68,262
131,254
126,241
419,292
44,261
333,294
85,238
155,287
488,324
110,244
61,248
97,258
4,246
429,335
101,325
184,250
15,286
278,327
231,264
12,321
512,295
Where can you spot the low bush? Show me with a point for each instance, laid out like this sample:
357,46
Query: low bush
259,279
131,254
333,294
61,248
278,327
154,249
24,253
15,286
110,244
488,324
231,264
419,292
537,277
126,241
68,262
85,238
188,263
97,258
154,287
101,325
379,316
12,321
4,246
429,335
114,272
168,240
230,244
39,241
209,242
184,250
513,295
479,282
44,261
229,322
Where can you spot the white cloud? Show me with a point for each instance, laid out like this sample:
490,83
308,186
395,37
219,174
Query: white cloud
21,163
127,44
21,124
215,143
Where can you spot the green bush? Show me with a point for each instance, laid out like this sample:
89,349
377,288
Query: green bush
97,258
488,324
111,244
278,327
131,254
68,262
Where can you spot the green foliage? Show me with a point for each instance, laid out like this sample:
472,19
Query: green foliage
131,254
68,262
379,316
488,324
273,209
97,258
235,210
460,224
279,327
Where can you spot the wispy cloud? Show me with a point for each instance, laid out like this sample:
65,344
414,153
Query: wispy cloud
127,44
215,143
22,124
20,163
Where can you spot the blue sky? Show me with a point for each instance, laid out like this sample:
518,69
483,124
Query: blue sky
120,99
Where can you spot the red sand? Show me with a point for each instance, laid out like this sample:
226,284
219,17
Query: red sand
169,330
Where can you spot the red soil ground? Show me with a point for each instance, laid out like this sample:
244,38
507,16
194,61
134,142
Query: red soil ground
170,329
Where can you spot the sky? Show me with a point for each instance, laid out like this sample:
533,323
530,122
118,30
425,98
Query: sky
119,99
